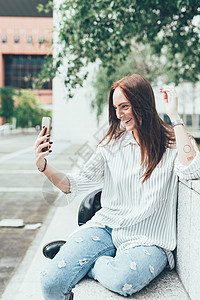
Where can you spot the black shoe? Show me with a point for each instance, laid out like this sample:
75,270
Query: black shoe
51,249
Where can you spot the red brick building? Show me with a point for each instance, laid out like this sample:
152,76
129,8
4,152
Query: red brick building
25,39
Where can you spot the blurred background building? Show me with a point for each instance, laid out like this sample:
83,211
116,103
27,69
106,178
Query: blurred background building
25,40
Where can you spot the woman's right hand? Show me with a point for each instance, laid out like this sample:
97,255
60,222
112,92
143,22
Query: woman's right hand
39,154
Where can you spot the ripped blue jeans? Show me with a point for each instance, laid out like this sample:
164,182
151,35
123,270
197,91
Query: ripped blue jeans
91,252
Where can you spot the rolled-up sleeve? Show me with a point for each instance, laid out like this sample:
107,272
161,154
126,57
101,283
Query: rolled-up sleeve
192,171
90,176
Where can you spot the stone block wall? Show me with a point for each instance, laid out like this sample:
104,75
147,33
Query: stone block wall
188,236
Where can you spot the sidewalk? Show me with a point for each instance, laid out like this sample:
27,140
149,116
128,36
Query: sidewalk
59,223
25,283
22,196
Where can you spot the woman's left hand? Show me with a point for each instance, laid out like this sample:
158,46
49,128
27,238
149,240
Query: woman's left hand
171,105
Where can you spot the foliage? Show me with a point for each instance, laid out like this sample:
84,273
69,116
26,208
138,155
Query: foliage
105,30
45,75
46,8
142,61
7,102
27,112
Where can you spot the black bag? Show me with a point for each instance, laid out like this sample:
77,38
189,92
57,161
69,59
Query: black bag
89,206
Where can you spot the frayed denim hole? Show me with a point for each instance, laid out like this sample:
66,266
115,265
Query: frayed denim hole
82,261
133,265
61,264
146,252
79,240
127,287
96,238
151,269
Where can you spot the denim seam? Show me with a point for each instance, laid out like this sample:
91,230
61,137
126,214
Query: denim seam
108,230
84,266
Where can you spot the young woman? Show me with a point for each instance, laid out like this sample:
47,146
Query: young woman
130,240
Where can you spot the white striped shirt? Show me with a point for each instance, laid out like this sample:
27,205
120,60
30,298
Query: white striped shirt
140,214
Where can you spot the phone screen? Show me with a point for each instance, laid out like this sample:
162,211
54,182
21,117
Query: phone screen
46,121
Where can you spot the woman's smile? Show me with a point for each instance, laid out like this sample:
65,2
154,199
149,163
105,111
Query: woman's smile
127,122
123,109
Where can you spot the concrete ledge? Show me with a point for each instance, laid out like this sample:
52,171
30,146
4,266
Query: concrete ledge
188,236
166,286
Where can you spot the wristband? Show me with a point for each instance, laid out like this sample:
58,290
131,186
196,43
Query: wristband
177,122
45,165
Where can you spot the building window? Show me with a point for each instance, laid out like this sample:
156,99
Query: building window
21,69
29,39
4,38
41,39
189,120
16,39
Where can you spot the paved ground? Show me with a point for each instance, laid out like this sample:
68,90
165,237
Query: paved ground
22,196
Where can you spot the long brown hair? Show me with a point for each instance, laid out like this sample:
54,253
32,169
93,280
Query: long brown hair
155,136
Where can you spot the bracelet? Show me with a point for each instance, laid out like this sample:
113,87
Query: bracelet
177,122
45,165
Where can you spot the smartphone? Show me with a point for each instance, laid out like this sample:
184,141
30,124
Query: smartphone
46,121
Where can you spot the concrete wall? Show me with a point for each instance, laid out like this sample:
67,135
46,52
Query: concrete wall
73,119
188,236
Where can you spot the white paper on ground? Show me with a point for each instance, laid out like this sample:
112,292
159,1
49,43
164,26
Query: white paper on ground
12,223
32,226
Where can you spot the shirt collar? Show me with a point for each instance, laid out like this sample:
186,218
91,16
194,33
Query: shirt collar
128,138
